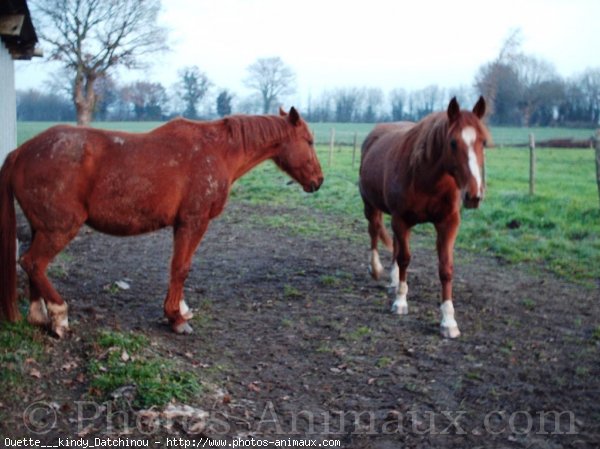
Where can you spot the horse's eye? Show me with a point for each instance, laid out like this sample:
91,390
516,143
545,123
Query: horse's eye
311,142
453,144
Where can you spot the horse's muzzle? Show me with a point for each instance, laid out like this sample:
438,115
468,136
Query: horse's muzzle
314,185
471,202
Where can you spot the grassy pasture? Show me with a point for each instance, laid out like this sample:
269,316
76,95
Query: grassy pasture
558,228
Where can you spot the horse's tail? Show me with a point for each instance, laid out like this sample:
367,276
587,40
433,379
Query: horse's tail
8,245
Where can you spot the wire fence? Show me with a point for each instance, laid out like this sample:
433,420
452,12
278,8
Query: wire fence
346,133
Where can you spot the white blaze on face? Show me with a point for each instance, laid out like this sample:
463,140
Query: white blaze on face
469,135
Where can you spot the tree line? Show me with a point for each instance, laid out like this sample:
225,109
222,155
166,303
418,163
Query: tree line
92,38
514,100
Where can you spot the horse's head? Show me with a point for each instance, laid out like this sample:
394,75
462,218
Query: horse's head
466,140
297,156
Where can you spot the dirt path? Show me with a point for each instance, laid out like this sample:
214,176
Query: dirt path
293,340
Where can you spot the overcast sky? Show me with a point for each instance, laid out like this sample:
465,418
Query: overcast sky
374,43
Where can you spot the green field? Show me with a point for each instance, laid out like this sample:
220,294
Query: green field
557,229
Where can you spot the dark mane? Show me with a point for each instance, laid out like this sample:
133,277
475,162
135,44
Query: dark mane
252,130
425,138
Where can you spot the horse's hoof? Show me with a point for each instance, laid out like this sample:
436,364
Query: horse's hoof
60,332
375,274
183,328
400,307
449,332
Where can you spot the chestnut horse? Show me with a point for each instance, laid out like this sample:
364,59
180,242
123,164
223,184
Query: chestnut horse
124,184
417,173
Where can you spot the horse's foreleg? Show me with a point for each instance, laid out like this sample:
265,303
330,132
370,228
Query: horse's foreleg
398,288
44,247
446,236
187,238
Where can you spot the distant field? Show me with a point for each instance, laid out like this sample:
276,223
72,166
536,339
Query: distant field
558,229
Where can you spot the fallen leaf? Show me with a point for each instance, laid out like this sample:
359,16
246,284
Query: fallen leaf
35,373
253,387
69,366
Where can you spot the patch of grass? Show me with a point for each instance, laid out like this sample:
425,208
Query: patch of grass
291,292
359,333
58,267
328,280
528,303
125,360
19,342
384,362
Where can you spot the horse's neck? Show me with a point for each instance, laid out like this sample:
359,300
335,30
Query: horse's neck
244,160
247,152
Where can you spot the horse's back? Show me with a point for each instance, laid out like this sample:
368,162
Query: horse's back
392,130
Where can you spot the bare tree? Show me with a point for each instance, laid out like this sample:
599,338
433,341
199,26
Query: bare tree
193,86
93,37
148,99
224,103
348,103
272,78
398,100
373,104
589,81
491,75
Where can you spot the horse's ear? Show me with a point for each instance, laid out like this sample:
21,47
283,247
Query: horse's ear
453,110
282,112
479,108
294,116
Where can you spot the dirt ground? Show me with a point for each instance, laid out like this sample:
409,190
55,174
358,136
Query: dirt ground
293,340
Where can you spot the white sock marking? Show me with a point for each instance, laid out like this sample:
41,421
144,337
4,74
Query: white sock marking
449,326
398,294
395,275
375,262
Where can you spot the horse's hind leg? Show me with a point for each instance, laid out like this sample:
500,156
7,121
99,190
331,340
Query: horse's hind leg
375,218
187,238
44,247
38,314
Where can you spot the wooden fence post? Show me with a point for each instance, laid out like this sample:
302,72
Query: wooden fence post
597,146
531,164
354,148
331,145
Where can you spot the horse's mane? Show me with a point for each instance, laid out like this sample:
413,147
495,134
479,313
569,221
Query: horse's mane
263,130
426,138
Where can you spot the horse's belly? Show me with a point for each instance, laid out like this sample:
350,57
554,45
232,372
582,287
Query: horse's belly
129,225
126,215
